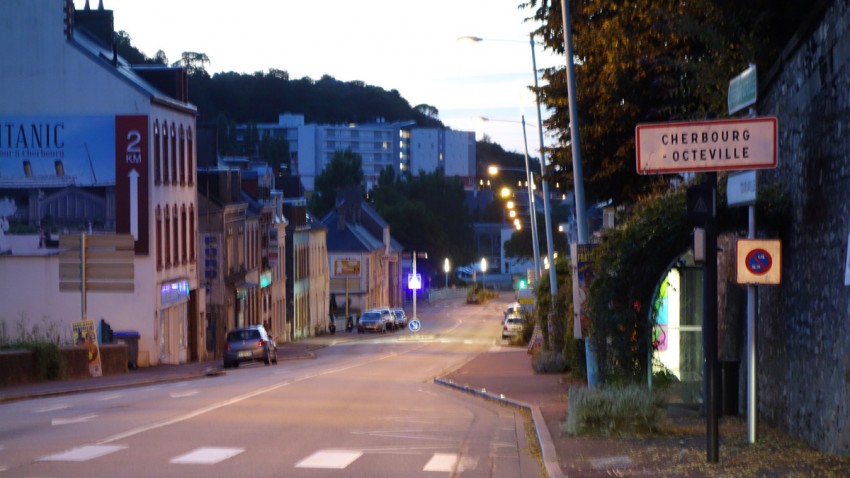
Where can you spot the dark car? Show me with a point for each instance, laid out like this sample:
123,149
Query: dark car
373,321
400,317
249,344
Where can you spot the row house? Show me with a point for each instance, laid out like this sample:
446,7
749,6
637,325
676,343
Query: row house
94,145
364,259
307,273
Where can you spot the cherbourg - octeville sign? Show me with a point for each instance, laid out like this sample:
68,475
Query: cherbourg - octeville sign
715,145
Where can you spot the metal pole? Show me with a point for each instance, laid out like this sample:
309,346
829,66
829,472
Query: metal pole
751,342
709,328
553,281
414,290
578,178
530,178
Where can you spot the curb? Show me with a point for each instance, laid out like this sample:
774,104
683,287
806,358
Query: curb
544,438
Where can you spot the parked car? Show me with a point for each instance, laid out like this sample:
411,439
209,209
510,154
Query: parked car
388,316
249,344
512,309
400,317
512,326
372,321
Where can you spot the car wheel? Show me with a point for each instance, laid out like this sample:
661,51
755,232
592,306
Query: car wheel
359,330
227,364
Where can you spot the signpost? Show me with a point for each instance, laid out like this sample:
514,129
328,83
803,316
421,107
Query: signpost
711,146
718,145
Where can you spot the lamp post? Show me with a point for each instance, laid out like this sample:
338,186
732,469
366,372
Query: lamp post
484,273
553,283
446,269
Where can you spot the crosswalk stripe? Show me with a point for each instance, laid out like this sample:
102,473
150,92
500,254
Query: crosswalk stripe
83,453
206,456
441,462
335,459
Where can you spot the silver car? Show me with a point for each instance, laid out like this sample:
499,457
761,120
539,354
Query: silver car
388,316
249,344
371,321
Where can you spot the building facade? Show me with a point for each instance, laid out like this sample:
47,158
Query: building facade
93,145
400,145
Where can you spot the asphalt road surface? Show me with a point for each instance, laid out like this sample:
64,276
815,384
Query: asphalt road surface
365,407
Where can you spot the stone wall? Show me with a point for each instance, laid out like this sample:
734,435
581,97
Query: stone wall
804,323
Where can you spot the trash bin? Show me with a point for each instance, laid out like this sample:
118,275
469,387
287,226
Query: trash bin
729,387
131,338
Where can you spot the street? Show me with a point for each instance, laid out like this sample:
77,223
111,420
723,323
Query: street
365,407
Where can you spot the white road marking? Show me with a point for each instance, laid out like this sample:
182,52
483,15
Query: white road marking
330,459
72,420
206,456
83,453
60,406
441,462
187,393
110,397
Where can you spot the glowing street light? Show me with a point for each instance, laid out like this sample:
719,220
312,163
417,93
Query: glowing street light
446,269
484,272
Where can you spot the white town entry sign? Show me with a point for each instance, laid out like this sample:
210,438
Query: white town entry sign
718,145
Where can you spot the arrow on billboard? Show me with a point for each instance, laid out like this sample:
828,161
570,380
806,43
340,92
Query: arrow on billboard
134,203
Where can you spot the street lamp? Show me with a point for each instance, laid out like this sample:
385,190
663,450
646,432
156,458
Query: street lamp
494,170
553,283
484,272
446,269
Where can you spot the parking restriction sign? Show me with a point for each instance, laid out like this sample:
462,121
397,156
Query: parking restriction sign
759,261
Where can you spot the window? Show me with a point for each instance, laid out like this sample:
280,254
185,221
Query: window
183,235
158,238
182,156
190,158
176,233
167,237
173,155
157,158
192,233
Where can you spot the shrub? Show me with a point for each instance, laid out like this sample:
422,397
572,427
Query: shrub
547,361
48,363
629,410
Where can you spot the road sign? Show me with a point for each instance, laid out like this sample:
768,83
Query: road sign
743,90
414,281
759,261
700,202
414,325
720,145
741,188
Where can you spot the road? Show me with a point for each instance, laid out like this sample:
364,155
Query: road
365,407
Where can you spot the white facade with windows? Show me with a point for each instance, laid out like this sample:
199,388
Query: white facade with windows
402,146
55,71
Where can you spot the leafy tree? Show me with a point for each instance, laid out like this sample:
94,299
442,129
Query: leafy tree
428,111
648,61
194,62
344,170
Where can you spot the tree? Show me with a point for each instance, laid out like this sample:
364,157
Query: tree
194,62
647,61
343,171
425,212
428,111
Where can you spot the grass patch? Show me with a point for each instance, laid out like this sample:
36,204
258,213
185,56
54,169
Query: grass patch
623,411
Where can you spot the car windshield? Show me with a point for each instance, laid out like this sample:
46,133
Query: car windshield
371,316
514,320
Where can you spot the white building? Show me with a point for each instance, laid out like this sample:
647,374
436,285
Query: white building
401,145
91,143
